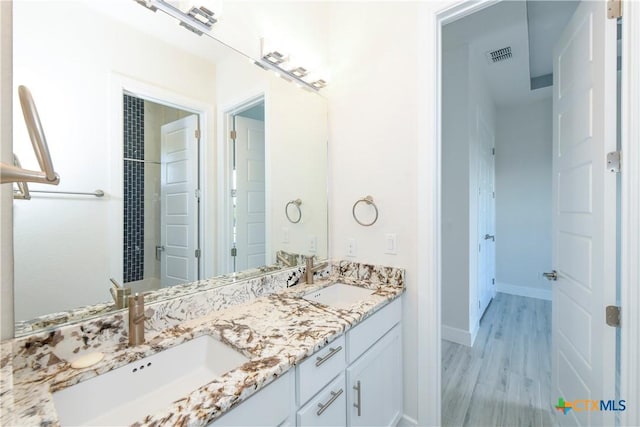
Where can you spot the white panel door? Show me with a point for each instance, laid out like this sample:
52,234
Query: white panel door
250,194
179,216
584,231
486,216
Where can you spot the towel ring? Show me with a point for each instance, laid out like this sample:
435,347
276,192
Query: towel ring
369,201
296,203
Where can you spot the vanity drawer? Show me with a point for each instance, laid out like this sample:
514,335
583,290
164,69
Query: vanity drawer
328,408
363,336
320,368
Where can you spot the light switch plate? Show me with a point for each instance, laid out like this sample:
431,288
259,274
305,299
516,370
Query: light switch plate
390,243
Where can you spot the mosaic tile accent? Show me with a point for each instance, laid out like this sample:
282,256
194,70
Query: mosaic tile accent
133,189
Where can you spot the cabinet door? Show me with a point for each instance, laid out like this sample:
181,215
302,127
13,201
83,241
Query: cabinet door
374,383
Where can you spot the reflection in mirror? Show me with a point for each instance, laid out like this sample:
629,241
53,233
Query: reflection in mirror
197,150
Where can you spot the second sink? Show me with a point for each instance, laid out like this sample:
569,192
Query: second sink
147,386
339,295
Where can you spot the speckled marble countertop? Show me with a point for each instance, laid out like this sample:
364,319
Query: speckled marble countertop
275,332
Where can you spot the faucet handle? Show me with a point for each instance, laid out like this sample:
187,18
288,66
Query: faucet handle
119,293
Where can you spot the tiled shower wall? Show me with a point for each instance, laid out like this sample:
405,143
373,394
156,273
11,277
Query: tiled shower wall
133,189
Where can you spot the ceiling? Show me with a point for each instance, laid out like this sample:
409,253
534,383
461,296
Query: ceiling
530,28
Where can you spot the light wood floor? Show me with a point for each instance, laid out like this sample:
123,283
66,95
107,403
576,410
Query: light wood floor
505,378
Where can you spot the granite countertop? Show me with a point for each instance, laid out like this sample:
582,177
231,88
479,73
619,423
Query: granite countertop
275,332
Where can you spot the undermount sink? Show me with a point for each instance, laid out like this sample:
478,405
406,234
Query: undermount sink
147,386
339,295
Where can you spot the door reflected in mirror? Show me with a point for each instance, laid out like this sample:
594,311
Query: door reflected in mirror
183,199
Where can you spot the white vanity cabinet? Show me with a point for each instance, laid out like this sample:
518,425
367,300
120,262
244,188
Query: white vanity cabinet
367,361
270,406
356,380
374,382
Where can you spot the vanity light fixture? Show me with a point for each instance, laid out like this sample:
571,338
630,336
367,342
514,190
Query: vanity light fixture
275,57
198,19
281,64
299,72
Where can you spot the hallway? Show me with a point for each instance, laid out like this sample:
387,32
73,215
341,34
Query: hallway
505,378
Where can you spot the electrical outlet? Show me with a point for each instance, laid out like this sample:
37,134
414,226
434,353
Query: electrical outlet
313,244
285,235
352,249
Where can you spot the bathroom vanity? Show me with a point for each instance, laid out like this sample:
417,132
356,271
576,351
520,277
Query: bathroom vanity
309,354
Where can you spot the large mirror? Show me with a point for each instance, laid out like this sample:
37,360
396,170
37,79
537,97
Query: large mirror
179,158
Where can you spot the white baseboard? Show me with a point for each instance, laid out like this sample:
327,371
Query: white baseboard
406,421
459,336
523,291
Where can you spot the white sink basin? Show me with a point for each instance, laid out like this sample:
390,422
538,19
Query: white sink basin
339,295
127,394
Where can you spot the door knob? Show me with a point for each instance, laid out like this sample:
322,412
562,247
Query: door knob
551,276
489,236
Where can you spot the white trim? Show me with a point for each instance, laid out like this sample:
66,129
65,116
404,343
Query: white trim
456,335
523,291
630,215
119,84
460,336
406,421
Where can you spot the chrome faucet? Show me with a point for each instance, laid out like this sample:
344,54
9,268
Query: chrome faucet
120,294
310,269
136,319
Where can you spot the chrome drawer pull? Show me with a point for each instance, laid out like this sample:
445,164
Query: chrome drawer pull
358,405
321,360
323,407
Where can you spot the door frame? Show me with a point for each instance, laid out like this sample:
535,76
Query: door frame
225,164
121,85
429,211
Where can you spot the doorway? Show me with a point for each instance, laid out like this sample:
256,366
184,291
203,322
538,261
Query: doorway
160,178
538,208
246,216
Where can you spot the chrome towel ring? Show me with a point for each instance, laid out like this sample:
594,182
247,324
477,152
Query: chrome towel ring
369,201
296,203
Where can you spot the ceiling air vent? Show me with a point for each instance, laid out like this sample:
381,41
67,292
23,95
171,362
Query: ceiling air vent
499,54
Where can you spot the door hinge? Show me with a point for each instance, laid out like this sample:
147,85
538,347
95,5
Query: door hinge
233,134
478,247
197,133
493,151
234,192
613,161
197,253
613,316
197,193
234,251
493,281
614,9
493,193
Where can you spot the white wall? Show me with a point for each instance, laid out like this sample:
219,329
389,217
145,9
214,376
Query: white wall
466,104
523,199
67,241
374,139
455,190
